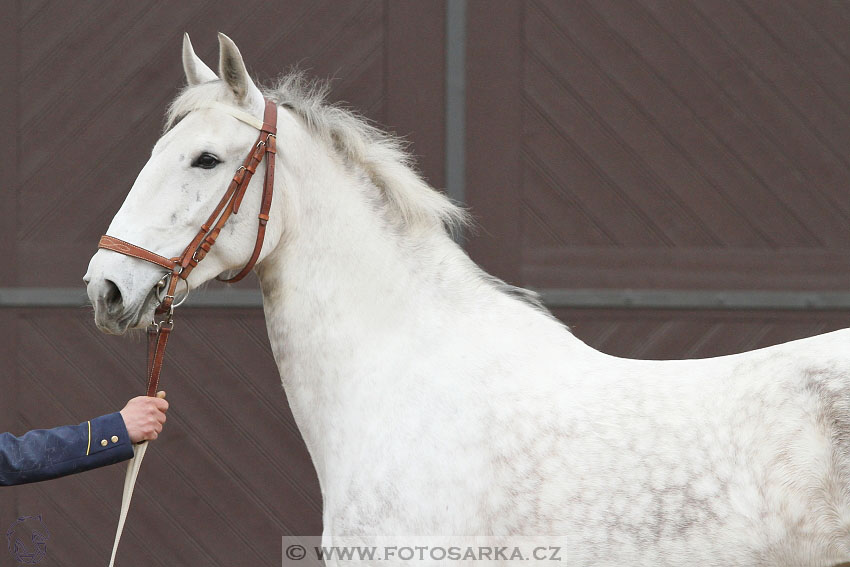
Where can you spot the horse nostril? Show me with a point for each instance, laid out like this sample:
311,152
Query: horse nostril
113,298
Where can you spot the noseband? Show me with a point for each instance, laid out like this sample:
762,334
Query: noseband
181,266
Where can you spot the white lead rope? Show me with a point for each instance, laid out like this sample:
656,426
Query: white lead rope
129,483
133,466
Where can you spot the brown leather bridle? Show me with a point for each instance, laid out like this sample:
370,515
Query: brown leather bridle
181,266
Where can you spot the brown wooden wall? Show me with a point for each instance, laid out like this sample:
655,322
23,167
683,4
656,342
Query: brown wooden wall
661,144
648,144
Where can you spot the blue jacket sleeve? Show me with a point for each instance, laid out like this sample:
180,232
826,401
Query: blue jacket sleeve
43,454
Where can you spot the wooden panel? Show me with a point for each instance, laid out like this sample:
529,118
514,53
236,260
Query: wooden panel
9,378
10,407
415,48
687,268
662,144
9,70
493,123
679,334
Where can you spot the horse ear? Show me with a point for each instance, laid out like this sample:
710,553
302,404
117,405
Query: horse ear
231,69
196,70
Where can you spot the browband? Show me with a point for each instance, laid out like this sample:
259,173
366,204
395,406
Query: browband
240,115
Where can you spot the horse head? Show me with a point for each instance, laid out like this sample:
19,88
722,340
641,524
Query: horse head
211,127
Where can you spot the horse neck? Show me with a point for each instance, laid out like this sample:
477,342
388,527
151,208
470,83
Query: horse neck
346,299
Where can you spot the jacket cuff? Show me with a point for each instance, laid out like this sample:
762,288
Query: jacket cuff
108,433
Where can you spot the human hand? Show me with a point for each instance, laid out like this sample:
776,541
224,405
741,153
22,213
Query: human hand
143,416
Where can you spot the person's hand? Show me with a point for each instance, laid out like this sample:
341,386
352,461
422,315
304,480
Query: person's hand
143,416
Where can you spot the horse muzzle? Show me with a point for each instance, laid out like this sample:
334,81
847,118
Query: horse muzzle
123,294
113,314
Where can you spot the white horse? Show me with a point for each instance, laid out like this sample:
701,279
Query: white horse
435,399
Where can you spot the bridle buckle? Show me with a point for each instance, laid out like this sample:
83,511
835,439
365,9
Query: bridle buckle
163,284
166,323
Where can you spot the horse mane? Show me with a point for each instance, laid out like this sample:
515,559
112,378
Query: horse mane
383,157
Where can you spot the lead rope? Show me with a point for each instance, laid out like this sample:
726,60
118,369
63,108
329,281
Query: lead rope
129,483
157,341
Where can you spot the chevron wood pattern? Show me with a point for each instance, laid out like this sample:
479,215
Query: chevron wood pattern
680,334
656,131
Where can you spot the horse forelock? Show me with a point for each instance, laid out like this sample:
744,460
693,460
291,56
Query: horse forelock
194,98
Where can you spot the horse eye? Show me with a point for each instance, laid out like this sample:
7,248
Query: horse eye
206,161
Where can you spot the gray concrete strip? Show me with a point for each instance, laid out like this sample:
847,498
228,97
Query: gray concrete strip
695,299
226,298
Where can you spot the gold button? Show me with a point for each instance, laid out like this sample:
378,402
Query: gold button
103,442
115,439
